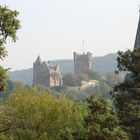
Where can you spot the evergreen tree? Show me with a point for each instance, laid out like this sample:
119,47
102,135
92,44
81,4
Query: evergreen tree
102,122
127,94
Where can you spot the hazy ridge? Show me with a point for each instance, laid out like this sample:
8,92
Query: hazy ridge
102,64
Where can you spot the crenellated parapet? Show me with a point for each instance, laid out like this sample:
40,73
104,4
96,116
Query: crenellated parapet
82,63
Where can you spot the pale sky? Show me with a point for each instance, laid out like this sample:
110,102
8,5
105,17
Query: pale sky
54,29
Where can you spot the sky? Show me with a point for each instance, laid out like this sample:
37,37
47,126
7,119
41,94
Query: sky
54,29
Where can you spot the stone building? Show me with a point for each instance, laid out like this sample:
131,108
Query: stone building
82,63
45,74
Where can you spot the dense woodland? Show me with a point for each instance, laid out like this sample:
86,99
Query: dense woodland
36,114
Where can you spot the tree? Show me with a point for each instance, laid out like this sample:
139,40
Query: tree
10,88
93,75
127,94
9,24
102,121
69,80
104,89
113,78
32,115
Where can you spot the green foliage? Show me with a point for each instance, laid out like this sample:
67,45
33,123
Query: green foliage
93,75
102,121
30,115
113,78
3,79
102,89
127,94
129,61
69,80
9,24
3,51
10,88
72,80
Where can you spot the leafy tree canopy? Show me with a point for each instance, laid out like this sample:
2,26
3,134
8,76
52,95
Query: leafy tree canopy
29,115
9,24
102,121
93,75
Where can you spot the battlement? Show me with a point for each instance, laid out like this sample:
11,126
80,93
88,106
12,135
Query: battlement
82,63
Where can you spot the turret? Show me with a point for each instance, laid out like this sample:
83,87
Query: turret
38,60
36,70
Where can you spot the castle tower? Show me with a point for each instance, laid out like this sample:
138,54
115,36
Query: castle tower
82,63
36,71
41,73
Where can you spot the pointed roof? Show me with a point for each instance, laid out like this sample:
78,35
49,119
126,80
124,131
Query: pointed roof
137,41
38,60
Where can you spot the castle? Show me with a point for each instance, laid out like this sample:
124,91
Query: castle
82,63
46,75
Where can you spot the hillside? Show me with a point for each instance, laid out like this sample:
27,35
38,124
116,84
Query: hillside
102,65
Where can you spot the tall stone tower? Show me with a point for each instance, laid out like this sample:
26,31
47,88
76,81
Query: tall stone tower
40,73
82,63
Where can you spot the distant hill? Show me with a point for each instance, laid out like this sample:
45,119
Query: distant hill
25,76
102,65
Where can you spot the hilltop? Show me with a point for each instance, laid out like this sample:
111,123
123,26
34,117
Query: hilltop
102,65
